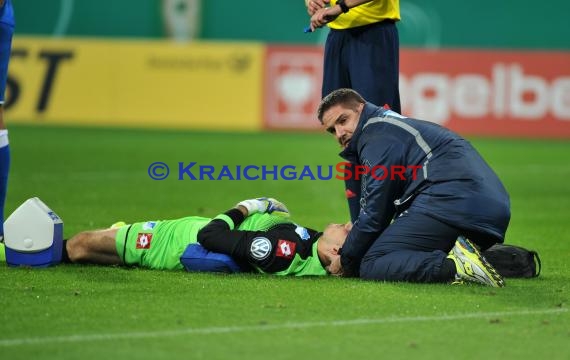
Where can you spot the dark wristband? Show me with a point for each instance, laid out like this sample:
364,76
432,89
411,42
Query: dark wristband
343,6
236,215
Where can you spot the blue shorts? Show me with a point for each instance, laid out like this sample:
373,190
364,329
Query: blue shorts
365,59
6,32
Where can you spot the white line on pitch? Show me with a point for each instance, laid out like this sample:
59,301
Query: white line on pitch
238,329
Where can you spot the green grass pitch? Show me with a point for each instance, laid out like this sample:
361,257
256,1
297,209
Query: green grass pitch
94,177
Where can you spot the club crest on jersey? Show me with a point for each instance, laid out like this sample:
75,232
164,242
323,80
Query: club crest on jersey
260,248
143,240
302,232
285,249
149,225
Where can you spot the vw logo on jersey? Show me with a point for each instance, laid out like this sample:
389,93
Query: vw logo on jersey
260,248
302,232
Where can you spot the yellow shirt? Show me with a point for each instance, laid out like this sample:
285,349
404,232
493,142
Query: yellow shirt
368,13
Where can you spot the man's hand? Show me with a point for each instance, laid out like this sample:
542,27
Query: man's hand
264,205
335,268
323,16
314,5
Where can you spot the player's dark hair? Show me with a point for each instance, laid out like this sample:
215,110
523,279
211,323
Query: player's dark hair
346,97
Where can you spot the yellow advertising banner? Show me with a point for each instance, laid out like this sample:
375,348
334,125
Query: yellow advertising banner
135,83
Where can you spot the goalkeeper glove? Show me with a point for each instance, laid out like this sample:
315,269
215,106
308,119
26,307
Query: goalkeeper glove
276,207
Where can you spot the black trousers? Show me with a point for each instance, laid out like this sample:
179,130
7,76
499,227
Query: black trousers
413,248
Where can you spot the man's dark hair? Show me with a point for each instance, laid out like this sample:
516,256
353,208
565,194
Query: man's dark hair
348,98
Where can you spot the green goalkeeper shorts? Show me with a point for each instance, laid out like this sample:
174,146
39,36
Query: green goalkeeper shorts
157,244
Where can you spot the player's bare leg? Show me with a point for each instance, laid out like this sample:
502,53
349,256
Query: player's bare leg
94,247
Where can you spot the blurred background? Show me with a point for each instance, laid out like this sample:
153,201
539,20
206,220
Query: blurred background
480,68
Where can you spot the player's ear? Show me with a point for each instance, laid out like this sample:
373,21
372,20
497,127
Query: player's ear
335,250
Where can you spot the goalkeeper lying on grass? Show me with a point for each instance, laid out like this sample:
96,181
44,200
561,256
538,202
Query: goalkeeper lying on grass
258,234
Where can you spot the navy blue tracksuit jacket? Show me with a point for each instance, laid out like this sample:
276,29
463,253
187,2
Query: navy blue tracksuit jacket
454,186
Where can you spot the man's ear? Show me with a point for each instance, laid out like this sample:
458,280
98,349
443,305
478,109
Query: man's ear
335,250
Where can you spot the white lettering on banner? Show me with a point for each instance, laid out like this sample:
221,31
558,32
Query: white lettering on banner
522,85
471,95
508,92
561,98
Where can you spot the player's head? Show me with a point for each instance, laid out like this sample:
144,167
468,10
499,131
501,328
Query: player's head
331,241
339,112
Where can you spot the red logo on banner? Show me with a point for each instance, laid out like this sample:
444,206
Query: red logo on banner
143,240
285,249
293,79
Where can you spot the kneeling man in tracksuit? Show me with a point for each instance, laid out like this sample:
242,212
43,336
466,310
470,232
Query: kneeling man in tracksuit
420,188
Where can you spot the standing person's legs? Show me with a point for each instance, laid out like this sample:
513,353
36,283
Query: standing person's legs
413,248
336,75
374,63
4,168
6,31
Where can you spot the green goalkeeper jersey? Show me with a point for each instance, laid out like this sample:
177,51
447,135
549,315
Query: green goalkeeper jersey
266,243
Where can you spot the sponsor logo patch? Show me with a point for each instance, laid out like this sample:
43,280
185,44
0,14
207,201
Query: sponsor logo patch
285,249
143,240
149,225
260,248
